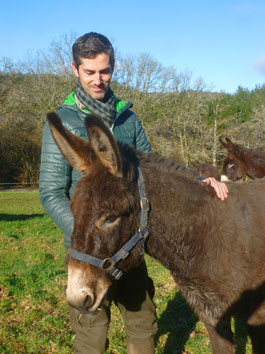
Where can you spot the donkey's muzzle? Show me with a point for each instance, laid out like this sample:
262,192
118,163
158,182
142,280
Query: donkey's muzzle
81,301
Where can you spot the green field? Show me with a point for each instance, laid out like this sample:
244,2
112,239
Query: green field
33,309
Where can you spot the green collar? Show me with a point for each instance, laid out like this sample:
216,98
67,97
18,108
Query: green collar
70,101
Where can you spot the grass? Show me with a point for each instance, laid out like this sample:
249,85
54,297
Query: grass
33,309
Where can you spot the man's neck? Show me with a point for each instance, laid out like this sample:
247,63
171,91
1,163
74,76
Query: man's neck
78,102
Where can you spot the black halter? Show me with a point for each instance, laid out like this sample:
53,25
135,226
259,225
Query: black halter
108,264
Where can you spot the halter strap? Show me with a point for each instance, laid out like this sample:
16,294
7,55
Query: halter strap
108,264
144,203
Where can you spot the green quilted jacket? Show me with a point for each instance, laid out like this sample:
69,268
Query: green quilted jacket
57,179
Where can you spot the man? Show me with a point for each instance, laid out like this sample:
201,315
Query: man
93,65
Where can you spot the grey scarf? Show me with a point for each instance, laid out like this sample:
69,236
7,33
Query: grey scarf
104,109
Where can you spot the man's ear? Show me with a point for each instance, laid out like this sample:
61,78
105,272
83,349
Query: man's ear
75,69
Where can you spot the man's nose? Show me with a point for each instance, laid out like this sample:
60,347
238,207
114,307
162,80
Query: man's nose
97,79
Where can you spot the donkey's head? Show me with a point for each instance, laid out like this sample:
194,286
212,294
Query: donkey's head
234,168
105,208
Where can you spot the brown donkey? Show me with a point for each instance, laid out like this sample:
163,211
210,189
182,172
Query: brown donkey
214,249
240,162
206,170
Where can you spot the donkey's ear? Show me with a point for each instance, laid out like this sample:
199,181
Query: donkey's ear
228,144
222,142
76,150
104,145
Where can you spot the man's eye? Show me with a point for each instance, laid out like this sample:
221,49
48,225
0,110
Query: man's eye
106,72
89,72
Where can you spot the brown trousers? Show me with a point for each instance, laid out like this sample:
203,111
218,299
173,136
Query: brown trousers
133,296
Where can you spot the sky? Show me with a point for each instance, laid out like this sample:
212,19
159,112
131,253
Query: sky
222,42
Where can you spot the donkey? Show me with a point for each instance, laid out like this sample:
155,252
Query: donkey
241,161
207,170
214,249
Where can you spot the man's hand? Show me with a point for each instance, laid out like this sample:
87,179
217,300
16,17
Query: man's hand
219,187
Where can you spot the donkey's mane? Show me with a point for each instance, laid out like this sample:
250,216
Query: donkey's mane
245,151
156,162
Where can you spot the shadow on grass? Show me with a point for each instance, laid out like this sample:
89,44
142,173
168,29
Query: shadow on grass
19,217
249,308
241,337
179,321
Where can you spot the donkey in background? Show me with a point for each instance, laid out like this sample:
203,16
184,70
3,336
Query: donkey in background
214,249
206,170
240,162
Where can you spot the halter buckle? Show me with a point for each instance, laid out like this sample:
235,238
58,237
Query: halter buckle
144,202
106,264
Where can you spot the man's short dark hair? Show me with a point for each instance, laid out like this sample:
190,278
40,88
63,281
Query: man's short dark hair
90,45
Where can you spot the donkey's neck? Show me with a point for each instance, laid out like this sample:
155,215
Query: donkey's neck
255,164
178,215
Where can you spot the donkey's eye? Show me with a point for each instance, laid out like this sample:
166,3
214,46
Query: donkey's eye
107,221
111,218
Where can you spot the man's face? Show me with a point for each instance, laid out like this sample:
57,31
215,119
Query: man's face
95,75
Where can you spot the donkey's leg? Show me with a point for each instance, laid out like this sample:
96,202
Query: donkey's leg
221,337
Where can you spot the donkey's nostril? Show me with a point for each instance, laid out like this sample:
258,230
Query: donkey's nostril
81,300
88,302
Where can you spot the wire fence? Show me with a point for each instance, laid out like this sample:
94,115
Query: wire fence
28,185
5,183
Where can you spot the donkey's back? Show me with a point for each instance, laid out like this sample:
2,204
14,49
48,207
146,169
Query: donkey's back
224,270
